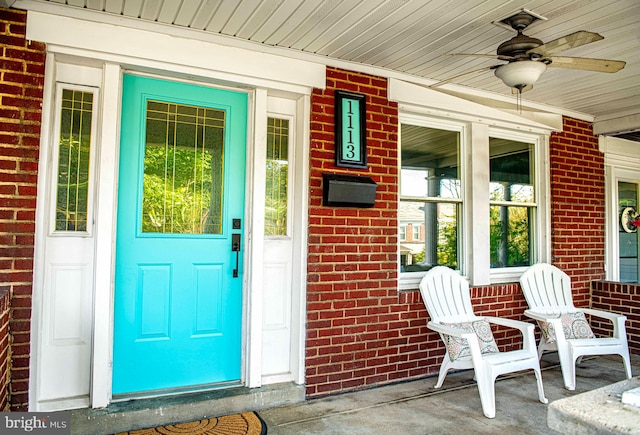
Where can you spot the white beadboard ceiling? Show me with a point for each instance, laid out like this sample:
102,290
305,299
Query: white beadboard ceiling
412,37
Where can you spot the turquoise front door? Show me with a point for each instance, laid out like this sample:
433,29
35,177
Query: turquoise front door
178,280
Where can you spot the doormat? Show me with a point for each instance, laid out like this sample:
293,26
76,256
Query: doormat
246,423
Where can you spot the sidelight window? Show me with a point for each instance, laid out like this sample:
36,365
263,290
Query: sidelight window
277,177
74,157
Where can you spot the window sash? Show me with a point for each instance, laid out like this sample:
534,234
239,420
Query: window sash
437,239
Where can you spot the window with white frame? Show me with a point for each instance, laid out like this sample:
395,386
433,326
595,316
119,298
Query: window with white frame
512,208
481,204
629,222
74,144
416,231
277,177
430,194
622,169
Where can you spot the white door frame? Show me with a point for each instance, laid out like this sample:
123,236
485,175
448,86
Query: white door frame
259,74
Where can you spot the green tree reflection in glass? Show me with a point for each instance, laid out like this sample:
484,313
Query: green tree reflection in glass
183,169
74,151
277,177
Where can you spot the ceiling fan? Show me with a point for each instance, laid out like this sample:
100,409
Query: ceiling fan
527,58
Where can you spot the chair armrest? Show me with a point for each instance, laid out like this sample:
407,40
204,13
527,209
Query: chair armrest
448,330
543,317
553,319
604,314
511,323
618,321
526,329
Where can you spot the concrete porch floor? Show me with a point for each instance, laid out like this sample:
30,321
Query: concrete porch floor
406,408
417,408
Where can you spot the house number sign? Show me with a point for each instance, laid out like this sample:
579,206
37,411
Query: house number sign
351,135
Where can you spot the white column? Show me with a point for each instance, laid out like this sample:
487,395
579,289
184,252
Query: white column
109,140
477,205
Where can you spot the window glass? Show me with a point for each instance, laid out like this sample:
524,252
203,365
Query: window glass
403,232
275,215
183,169
74,152
430,195
416,231
628,231
512,202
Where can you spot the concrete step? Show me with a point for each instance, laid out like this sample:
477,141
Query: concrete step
158,411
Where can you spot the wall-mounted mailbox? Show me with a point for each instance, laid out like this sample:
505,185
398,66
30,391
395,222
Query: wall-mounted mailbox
348,190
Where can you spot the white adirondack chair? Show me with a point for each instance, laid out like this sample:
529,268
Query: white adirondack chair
446,296
547,290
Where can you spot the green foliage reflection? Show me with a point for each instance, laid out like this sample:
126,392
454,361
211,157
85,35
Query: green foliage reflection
183,172
72,190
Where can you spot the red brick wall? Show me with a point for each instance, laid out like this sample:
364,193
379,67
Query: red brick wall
355,330
21,84
577,206
619,298
5,350
361,331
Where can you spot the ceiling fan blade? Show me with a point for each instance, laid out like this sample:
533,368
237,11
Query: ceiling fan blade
587,64
468,73
572,40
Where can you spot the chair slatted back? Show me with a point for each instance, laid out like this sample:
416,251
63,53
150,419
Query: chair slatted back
547,289
446,295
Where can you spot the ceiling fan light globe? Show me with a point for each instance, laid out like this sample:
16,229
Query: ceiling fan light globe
520,73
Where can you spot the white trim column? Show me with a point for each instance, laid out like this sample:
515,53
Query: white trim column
256,161
107,188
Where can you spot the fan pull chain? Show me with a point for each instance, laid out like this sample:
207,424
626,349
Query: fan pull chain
519,100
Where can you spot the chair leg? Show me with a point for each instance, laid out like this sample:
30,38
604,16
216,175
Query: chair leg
541,396
444,368
568,367
541,347
627,363
486,388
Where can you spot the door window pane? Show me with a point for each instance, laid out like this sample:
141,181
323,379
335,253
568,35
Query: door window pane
74,152
183,169
431,200
628,231
275,215
512,202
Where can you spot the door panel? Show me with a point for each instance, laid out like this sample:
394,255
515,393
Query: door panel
178,306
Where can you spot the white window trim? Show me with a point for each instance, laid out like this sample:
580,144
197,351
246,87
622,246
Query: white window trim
411,280
55,167
478,122
540,229
622,163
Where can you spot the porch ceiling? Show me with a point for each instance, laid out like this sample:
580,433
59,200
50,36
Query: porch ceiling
412,36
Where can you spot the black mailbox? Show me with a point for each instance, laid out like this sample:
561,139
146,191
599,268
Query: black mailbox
348,190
